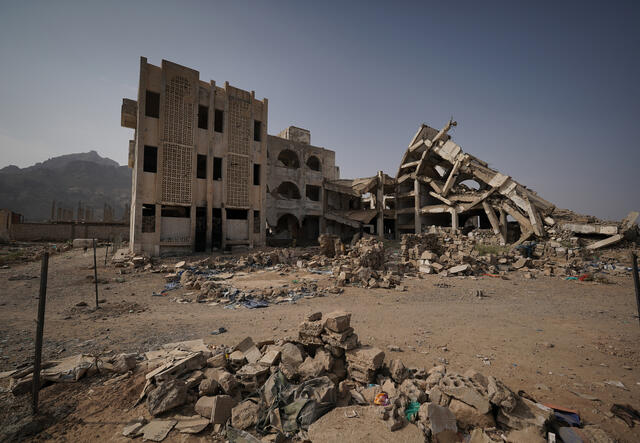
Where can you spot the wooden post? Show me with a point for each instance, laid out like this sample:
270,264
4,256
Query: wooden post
634,262
95,270
106,251
44,269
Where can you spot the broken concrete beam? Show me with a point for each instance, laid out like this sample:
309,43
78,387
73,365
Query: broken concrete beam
590,228
170,371
606,242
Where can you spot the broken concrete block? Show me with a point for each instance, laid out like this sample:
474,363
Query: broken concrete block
338,321
166,396
192,425
123,363
226,380
311,328
458,269
526,413
208,387
157,430
466,390
366,356
217,361
204,405
134,429
170,371
270,358
398,370
442,423
314,316
244,415
500,395
291,355
468,417
221,408
521,263
411,389
253,354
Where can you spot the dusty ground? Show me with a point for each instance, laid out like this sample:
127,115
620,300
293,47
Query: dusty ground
552,338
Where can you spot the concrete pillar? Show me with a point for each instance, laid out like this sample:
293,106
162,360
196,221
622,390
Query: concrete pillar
210,137
503,224
454,220
223,212
417,216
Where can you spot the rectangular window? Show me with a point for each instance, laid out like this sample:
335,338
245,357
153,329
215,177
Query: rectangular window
202,166
257,130
218,123
175,211
256,175
152,104
217,168
256,222
148,218
203,117
150,162
237,214
313,193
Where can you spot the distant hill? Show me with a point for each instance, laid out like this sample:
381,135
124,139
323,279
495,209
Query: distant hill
67,179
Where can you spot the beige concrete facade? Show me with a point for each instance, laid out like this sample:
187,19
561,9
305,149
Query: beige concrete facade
199,162
296,175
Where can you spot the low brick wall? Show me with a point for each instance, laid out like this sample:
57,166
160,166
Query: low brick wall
68,231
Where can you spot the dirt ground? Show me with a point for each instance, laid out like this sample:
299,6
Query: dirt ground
554,339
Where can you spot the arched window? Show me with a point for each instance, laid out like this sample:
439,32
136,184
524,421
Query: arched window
313,163
288,190
289,159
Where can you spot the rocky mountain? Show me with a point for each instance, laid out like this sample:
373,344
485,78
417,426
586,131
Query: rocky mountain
68,179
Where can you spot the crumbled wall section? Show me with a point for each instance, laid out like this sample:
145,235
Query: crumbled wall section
237,182
178,142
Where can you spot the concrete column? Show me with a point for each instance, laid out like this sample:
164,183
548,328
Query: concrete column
250,226
210,137
454,220
503,224
323,221
417,216
223,213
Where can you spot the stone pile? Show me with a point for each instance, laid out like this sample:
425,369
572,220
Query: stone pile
280,388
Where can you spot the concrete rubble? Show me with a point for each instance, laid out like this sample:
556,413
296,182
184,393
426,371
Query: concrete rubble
281,388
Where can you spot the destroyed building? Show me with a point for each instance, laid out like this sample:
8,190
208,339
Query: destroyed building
206,176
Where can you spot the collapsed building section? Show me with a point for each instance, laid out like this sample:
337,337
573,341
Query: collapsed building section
439,184
361,205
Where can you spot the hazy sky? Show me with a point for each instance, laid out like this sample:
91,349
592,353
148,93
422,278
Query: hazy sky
548,93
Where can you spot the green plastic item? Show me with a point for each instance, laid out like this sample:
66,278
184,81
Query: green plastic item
412,410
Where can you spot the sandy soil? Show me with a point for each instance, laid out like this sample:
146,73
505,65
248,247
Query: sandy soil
552,338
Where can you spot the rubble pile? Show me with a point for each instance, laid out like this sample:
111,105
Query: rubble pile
280,388
446,252
435,167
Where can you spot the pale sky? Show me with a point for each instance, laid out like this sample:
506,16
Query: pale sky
548,92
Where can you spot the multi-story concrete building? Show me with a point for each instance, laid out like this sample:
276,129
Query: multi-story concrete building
296,175
198,157
206,175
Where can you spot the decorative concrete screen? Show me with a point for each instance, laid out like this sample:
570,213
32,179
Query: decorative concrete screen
177,150
237,180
